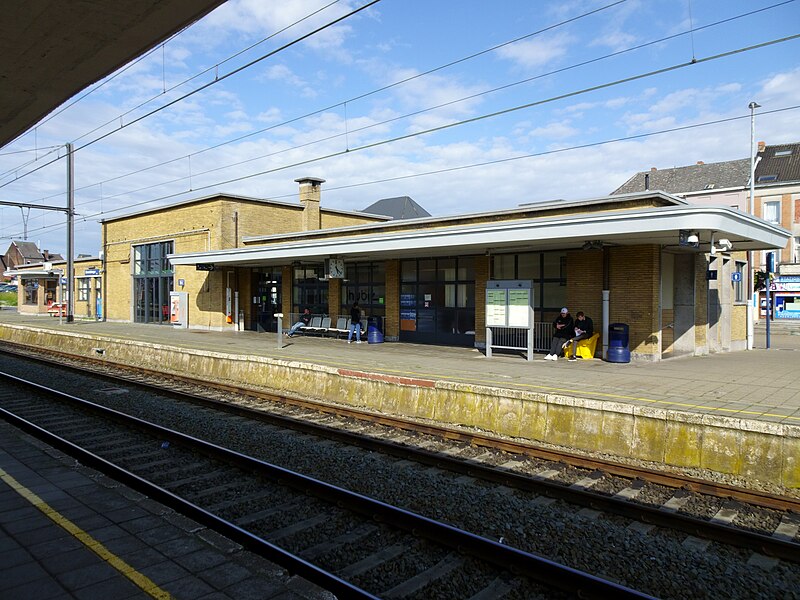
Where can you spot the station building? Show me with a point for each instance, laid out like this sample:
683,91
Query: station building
670,271
42,288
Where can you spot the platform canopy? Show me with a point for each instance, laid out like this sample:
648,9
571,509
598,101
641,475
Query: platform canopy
586,227
52,49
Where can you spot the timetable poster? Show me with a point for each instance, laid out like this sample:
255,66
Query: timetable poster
518,308
496,308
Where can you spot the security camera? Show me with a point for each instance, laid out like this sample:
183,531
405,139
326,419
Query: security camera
693,239
725,244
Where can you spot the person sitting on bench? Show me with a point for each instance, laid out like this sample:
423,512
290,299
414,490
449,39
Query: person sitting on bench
304,320
584,329
562,331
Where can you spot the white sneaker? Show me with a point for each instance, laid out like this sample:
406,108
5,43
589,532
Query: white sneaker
358,341
349,342
548,357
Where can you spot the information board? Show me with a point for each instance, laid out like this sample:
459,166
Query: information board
496,307
519,302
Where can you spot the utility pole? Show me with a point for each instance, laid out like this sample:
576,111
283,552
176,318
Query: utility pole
70,234
750,210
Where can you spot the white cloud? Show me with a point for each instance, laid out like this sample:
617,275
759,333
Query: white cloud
536,52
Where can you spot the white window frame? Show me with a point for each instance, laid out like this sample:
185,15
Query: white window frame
771,203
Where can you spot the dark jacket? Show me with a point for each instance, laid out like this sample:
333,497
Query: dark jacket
586,325
567,329
355,315
305,318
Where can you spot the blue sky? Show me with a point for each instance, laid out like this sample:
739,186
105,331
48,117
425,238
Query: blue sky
411,97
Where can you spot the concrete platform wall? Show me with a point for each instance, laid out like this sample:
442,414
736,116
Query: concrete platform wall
747,448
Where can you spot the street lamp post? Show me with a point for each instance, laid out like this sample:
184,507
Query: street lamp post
750,209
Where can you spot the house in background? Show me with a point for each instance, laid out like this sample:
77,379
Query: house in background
26,253
776,199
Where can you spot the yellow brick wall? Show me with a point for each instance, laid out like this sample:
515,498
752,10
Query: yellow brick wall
334,299
634,298
210,224
585,284
391,323
701,304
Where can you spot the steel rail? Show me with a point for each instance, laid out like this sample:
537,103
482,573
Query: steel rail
505,557
660,477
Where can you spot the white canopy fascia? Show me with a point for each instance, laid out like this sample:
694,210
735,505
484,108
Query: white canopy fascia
647,226
32,273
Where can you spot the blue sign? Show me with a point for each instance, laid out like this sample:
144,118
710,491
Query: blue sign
92,272
736,276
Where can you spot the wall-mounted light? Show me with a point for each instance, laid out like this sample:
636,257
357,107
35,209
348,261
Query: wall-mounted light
592,245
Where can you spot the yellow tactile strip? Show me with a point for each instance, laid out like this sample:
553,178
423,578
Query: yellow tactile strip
143,582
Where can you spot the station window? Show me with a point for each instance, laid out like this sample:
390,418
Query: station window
437,300
31,292
152,282
310,289
84,284
364,283
547,270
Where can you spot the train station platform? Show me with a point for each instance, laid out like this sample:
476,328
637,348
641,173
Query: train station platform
736,413
67,531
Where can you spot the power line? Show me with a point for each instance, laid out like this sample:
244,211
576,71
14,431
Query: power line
207,70
358,97
694,61
435,69
216,81
467,166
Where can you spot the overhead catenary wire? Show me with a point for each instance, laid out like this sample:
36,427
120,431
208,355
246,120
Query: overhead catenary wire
497,113
472,120
357,97
441,105
215,81
205,71
628,138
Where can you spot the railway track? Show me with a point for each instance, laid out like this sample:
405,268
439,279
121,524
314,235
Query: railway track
392,553
723,518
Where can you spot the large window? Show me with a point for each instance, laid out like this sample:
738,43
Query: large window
437,300
364,283
310,290
152,282
547,270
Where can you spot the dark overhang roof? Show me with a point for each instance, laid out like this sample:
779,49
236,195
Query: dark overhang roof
52,49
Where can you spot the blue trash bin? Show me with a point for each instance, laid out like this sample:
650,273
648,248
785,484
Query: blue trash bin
618,340
374,333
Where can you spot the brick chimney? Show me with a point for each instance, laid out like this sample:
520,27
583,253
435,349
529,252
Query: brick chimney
700,162
653,169
761,146
310,193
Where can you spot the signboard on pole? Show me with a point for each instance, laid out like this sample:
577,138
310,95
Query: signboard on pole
509,316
